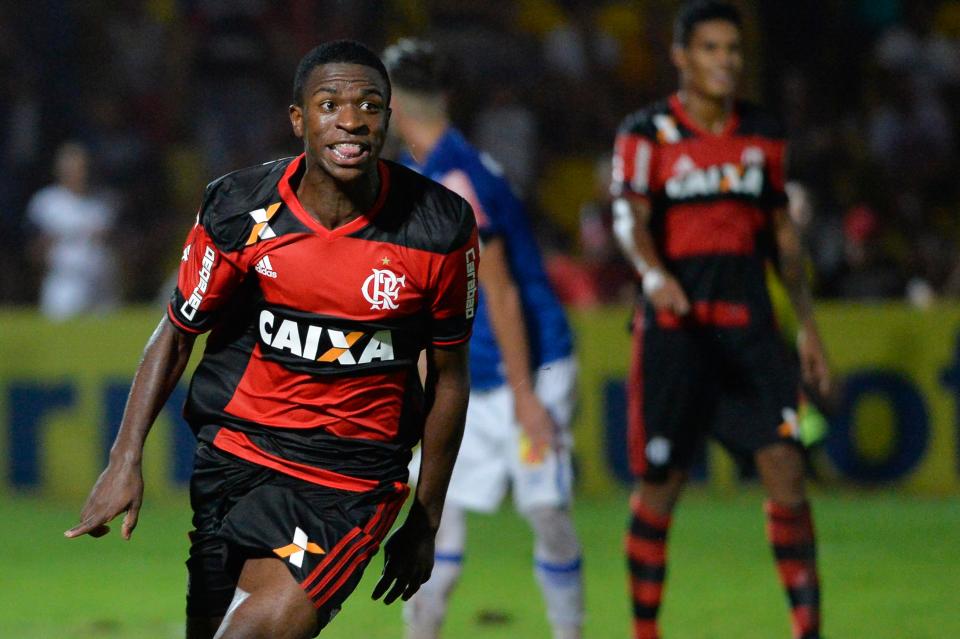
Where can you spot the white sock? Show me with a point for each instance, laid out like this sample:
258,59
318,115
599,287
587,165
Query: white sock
425,611
558,571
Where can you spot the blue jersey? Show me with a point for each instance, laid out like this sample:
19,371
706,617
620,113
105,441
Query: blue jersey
475,177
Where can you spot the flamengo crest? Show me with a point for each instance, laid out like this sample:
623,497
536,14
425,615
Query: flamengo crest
382,287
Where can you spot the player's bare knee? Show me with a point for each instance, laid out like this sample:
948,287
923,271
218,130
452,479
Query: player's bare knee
661,496
781,468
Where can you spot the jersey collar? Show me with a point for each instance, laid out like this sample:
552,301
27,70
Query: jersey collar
681,114
288,194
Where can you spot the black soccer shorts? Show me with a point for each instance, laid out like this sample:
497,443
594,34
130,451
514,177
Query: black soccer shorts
739,385
324,536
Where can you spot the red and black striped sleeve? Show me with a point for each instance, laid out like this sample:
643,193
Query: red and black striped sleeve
206,281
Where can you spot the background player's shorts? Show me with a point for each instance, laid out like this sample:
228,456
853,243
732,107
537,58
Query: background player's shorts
324,536
494,454
739,384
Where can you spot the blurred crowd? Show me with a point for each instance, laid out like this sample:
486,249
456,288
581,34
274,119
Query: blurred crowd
113,116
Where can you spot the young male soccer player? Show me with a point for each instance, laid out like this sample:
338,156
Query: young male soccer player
521,364
700,205
322,278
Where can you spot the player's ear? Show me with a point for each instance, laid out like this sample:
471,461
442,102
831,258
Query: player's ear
678,55
296,119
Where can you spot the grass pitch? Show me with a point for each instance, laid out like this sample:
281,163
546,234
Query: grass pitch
890,567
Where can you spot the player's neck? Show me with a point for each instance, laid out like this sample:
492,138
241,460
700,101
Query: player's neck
334,203
422,136
709,113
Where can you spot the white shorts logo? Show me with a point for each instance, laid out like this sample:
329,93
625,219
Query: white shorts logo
296,551
658,451
382,288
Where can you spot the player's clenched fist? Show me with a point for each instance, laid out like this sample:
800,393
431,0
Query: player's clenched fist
408,559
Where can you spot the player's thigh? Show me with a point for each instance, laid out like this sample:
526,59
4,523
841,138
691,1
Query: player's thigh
669,400
269,603
541,482
547,481
324,537
481,472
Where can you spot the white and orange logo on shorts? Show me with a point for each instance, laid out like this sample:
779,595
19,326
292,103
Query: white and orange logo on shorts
299,548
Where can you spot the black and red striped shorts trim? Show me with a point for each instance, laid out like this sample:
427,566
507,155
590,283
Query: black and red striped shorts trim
351,553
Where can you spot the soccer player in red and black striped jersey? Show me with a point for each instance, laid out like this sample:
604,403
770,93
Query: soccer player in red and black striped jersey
699,208
322,278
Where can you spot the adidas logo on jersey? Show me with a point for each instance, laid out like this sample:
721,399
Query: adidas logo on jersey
264,267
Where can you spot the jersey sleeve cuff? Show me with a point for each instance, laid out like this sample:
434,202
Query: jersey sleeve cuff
627,194
452,343
180,325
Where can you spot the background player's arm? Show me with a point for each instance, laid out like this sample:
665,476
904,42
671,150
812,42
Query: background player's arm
120,487
408,555
631,226
507,320
790,265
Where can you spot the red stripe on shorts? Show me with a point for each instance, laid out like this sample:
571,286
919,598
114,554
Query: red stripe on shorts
636,429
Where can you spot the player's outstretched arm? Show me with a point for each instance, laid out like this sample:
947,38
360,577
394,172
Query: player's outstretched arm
120,486
408,555
509,327
790,265
631,219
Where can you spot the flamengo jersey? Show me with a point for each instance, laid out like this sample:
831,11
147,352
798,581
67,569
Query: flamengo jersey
475,176
311,365
711,196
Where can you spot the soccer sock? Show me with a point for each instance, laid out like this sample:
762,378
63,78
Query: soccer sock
647,561
557,567
425,611
790,531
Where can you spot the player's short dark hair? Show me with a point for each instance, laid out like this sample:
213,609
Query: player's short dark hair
416,66
346,51
696,11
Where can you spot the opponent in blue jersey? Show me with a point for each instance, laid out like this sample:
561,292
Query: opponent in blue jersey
523,373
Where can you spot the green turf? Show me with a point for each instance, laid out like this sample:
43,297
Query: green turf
889,566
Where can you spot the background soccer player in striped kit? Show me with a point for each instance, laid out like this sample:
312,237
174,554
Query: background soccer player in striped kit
700,207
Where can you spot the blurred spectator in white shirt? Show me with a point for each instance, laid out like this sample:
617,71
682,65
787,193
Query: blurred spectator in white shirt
73,224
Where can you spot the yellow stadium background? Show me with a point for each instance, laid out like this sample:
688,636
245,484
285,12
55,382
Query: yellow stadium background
62,388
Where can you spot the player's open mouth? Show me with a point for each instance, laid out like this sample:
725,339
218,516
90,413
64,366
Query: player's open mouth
723,78
349,152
